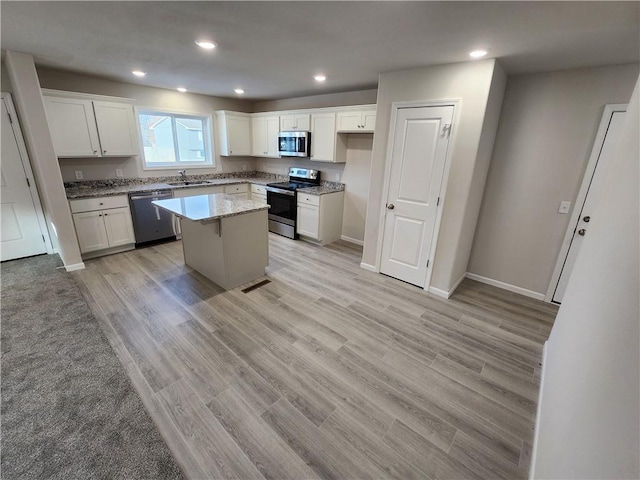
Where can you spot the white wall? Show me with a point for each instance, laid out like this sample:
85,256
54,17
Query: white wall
471,82
30,107
589,414
358,97
546,132
94,168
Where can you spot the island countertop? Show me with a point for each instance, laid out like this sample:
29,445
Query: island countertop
202,208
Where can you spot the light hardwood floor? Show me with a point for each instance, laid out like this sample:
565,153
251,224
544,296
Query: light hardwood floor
328,371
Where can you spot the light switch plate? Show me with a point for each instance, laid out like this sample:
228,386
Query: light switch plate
79,175
119,173
564,207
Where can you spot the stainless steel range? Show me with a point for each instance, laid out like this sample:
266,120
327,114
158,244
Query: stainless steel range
282,198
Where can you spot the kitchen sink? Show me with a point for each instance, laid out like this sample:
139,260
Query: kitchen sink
187,182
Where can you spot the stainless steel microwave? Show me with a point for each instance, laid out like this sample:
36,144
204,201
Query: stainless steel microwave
294,144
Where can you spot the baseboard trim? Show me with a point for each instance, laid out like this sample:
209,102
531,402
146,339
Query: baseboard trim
366,266
534,454
352,240
439,292
74,267
506,286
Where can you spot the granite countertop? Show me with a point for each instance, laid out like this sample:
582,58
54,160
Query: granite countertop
108,188
202,208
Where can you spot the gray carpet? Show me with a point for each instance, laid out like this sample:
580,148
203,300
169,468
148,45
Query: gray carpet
68,407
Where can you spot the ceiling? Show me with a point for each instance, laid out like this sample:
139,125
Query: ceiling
273,49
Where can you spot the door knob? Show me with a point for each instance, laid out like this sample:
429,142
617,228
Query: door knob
581,232
586,218
391,206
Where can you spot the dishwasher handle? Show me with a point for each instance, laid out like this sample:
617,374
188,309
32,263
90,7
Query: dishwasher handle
146,196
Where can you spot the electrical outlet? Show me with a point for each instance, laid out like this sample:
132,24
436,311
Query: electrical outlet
337,177
119,173
564,207
244,167
79,175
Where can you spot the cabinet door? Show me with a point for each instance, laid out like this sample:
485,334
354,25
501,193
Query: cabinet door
295,121
91,231
368,120
349,121
258,197
73,127
191,191
272,129
238,135
287,123
308,220
303,122
258,136
323,137
118,225
116,128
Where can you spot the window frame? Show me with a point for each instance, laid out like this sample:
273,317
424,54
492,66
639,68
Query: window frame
208,138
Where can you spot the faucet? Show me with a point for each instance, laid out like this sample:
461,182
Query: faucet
183,175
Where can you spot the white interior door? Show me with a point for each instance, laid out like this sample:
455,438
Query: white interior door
418,153
602,152
20,234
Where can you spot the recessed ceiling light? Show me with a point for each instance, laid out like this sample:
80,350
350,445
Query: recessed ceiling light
239,91
478,53
181,89
139,73
206,44
320,78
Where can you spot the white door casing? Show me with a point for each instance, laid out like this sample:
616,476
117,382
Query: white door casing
418,153
23,232
603,149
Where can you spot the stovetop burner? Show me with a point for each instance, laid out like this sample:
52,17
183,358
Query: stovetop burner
291,185
299,178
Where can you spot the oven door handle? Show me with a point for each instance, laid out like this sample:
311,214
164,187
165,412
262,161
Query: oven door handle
280,190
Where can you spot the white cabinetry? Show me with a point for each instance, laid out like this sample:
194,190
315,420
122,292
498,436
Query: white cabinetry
258,193
320,216
264,135
191,191
240,191
356,121
326,146
103,224
295,121
82,127
234,133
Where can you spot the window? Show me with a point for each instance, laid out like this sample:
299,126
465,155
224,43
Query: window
175,140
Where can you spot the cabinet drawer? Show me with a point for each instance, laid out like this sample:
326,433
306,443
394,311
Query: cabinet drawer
98,203
309,199
259,189
241,188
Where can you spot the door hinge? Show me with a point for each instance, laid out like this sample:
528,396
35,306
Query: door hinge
447,129
10,119
438,202
427,263
28,183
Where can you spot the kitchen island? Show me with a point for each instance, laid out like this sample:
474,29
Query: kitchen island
223,238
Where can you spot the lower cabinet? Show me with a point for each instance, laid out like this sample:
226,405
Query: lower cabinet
319,217
103,225
240,190
258,193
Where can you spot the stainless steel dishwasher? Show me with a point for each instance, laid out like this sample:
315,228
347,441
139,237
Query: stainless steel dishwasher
151,223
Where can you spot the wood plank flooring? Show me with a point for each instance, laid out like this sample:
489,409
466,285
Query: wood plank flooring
328,371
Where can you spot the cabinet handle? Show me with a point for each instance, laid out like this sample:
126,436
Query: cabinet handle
104,152
101,203
99,214
106,214
95,152
230,152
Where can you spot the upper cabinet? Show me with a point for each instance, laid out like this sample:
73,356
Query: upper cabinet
265,135
234,133
326,146
83,127
296,121
356,121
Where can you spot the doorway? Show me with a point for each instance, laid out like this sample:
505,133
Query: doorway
23,232
419,142
603,149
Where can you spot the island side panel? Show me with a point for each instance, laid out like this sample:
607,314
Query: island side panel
246,246
204,250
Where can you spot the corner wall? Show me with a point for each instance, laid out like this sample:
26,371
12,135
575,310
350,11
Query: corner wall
545,137
589,414
471,82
